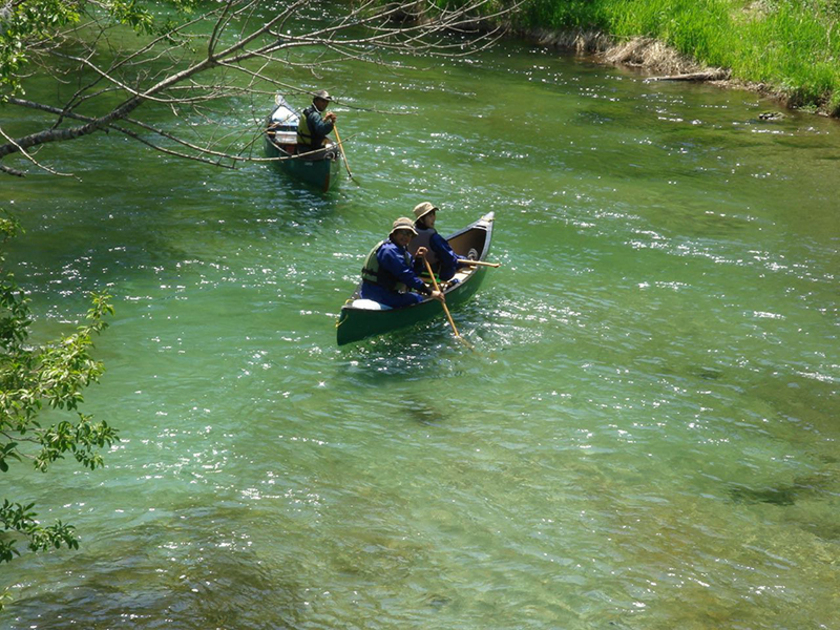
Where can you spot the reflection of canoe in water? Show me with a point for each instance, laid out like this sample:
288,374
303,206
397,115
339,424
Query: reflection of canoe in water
317,168
366,318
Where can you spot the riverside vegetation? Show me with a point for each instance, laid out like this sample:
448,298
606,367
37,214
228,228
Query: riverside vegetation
789,49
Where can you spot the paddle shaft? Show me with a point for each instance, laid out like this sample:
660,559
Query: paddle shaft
443,303
478,263
343,152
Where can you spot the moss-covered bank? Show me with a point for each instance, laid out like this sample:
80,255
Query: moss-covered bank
789,49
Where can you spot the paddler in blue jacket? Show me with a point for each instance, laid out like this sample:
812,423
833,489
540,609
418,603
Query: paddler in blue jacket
314,125
390,272
442,259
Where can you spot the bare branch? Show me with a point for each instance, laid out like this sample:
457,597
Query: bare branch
30,158
166,69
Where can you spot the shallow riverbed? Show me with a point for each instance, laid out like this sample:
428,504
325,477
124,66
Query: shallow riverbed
644,437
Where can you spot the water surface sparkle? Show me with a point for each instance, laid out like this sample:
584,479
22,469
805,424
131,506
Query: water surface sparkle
644,437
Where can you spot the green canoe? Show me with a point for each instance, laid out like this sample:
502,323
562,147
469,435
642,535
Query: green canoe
320,169
360,318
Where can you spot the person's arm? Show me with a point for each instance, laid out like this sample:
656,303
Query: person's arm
444,252
392,260
417,259
317,125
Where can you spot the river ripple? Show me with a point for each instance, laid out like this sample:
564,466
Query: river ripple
644,436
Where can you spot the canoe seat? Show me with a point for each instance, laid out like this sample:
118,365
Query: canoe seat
369,305
462,274
285,137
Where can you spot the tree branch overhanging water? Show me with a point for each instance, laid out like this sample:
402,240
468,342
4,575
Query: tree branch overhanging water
164,67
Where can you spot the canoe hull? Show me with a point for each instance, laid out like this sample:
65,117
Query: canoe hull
355,324
320,174
318,169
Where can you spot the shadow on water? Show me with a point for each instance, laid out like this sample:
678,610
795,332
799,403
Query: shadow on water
415,353
291,202
425,411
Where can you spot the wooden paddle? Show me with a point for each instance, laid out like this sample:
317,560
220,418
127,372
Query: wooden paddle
478,263
343,153
443,303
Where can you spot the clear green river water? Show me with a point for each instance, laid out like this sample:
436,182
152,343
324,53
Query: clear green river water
644,437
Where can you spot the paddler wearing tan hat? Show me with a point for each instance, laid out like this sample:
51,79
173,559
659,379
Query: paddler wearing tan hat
314,125
443,260
390,273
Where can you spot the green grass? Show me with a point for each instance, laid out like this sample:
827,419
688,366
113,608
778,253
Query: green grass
791,45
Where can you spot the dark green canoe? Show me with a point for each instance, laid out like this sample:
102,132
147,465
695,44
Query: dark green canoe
320,169
365,318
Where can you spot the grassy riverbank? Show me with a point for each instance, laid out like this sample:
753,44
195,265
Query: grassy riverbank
792,47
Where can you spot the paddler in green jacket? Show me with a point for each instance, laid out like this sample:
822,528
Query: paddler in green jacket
389,271
314,124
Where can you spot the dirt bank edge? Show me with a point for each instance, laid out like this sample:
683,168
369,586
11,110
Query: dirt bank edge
652,57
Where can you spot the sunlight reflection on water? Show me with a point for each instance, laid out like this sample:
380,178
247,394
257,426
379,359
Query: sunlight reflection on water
643,436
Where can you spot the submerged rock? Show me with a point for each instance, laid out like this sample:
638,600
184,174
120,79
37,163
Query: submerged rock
785,495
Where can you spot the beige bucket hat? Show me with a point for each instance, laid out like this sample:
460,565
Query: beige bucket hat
404,223
422,209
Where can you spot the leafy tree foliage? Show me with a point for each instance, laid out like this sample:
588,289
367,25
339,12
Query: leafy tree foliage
31,376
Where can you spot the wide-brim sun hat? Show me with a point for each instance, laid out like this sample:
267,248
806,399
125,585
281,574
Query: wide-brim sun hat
323,95
422,209
404,223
